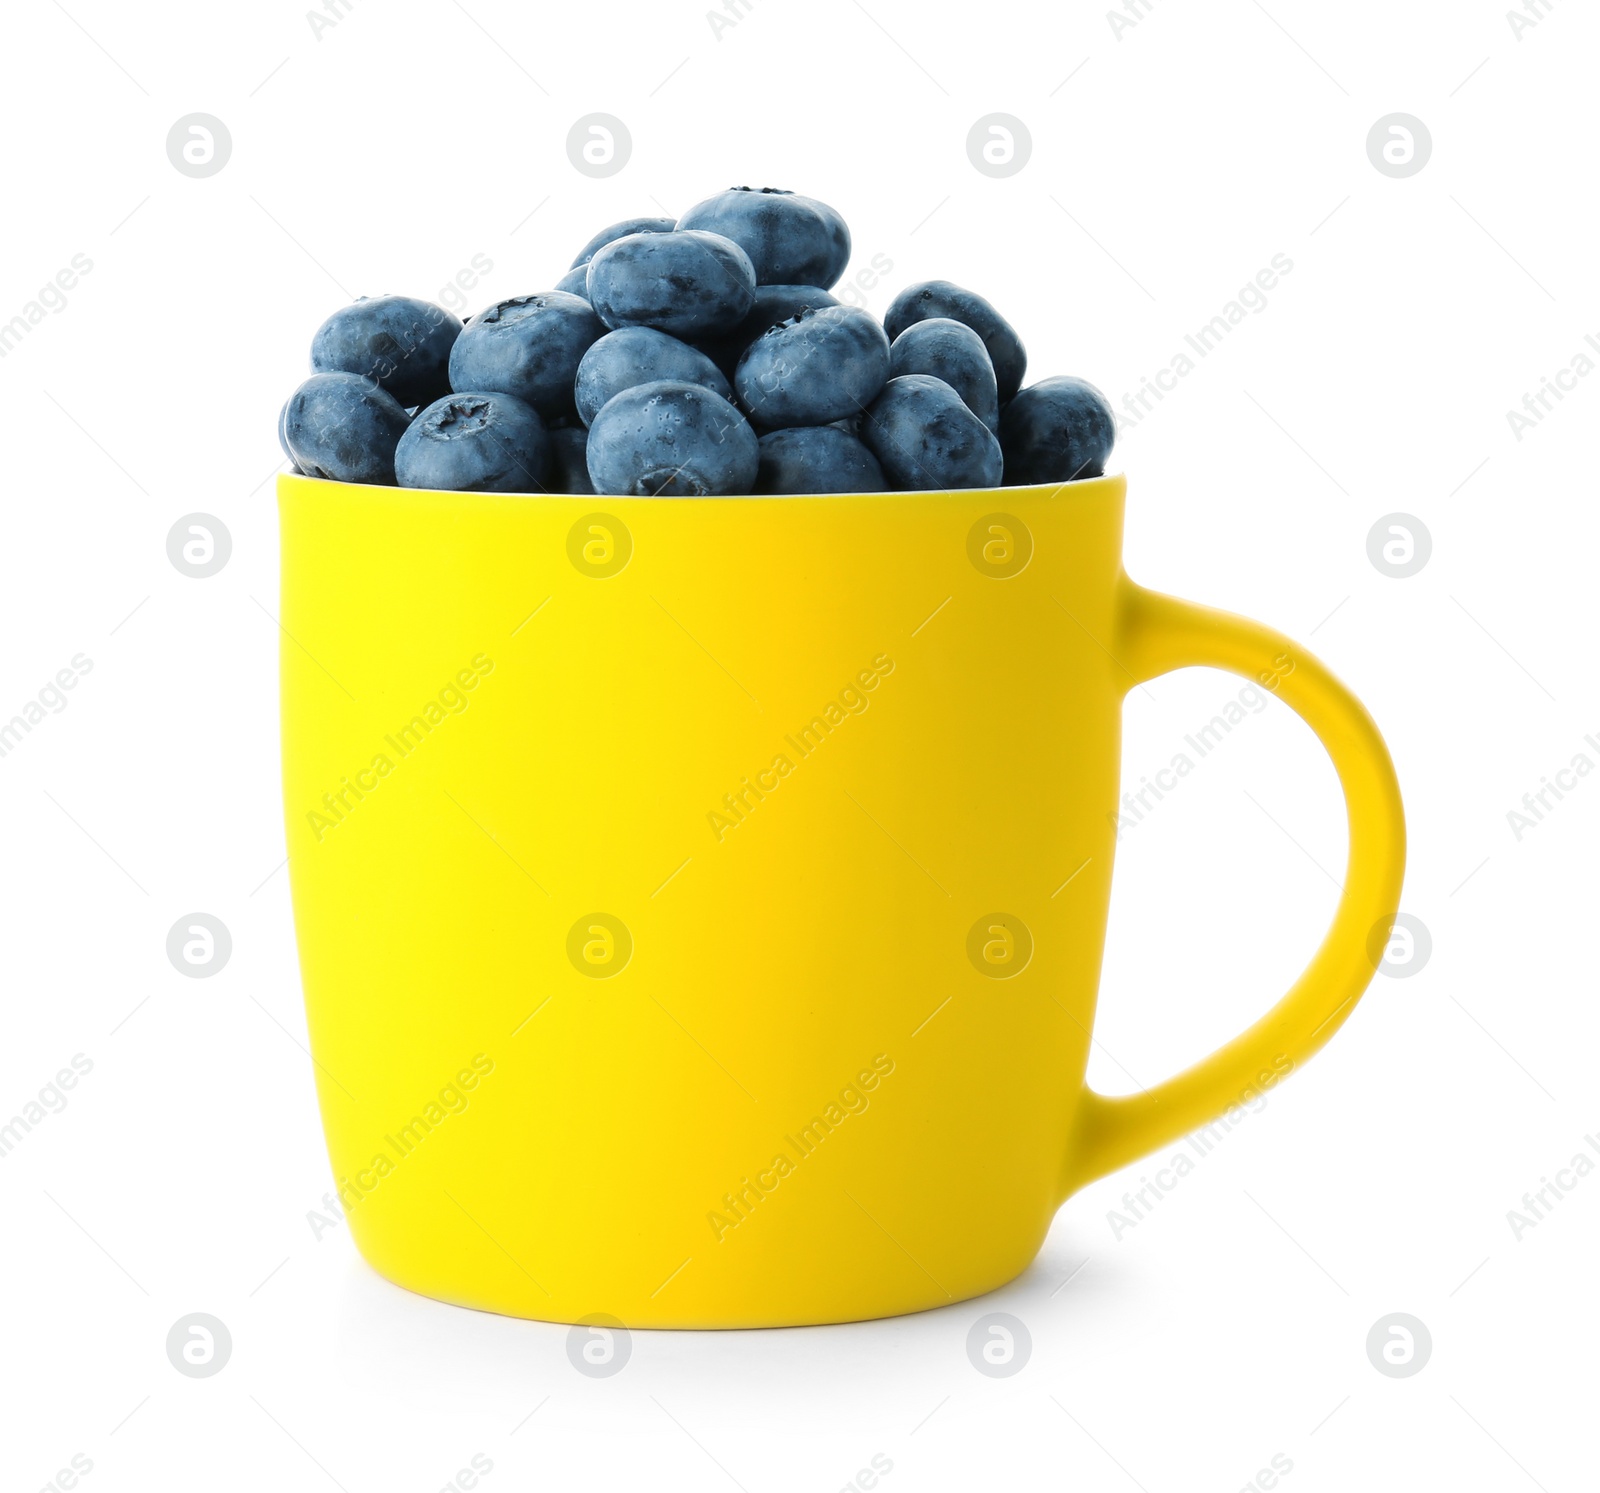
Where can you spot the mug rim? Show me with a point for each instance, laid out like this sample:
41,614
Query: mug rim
1031,490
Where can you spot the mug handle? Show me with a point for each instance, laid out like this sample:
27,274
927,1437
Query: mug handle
1158,634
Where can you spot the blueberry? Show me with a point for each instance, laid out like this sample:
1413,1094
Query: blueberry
575,282
940,298
475,443
283,440
952,351
528,347
925,437
773,303
817,458
822,365
673,440
621,230
396,340
639,355
688,284
791,240
345,428
1057,430
569,467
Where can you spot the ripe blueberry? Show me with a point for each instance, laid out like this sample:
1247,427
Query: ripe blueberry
1057,430
673,440
820,366
816,459
941,298
952,351
345,428
925,437
639,355
687,284
528,347
397,341
791,240
474,443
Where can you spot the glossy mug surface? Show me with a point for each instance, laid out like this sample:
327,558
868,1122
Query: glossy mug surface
700,903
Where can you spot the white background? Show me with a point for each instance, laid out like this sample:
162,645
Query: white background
1176,161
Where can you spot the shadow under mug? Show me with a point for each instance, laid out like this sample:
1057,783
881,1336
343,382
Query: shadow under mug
700,903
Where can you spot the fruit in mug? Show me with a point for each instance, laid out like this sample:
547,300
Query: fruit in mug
673,440
925,437
569,463
952,351
529,347
791,240
706,356
621,230
639,355
687,284
474,443
820,366
940,298
1057,430
344,427
816,459
396,340
773,303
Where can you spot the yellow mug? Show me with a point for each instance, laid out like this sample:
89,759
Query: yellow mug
700,903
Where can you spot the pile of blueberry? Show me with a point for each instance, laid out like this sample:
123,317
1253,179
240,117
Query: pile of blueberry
692,358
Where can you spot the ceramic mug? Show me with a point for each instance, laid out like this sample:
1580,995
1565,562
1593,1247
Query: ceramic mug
700,902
